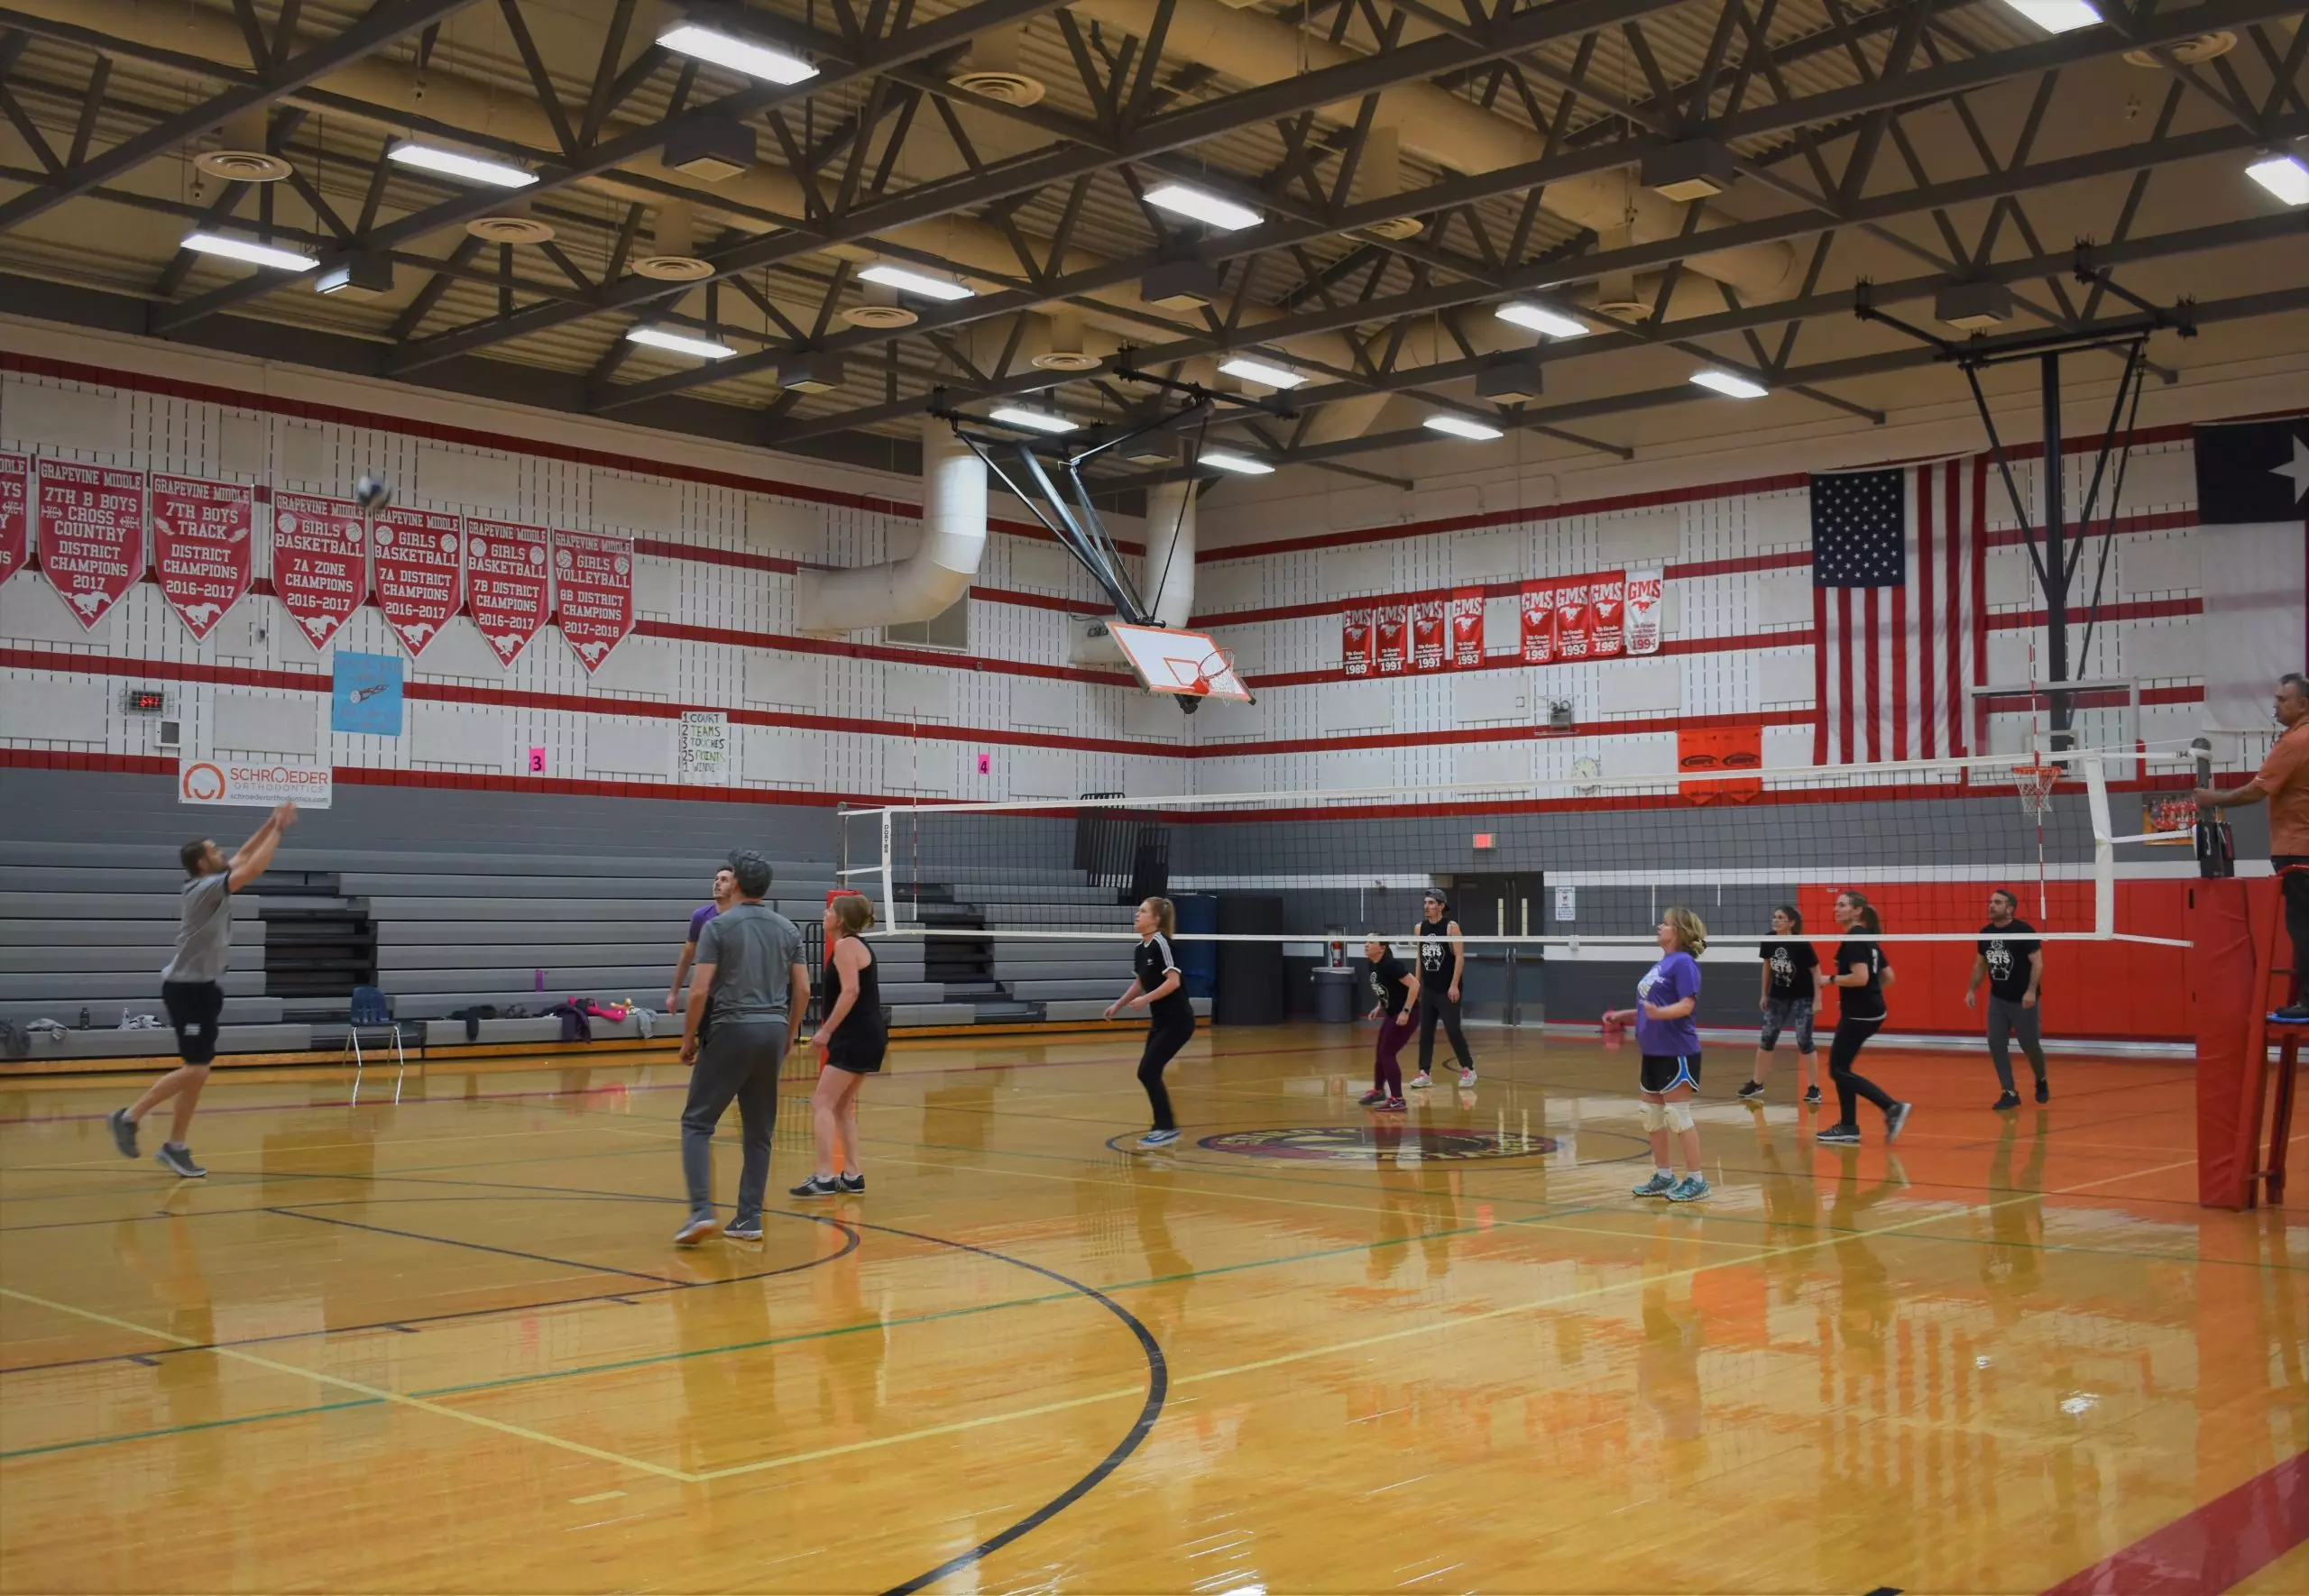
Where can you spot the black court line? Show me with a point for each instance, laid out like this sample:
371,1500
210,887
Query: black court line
412,1235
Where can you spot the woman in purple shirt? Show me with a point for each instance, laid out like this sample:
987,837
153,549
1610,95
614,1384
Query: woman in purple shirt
1668,1037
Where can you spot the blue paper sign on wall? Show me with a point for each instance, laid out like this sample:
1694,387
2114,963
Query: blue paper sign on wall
368,694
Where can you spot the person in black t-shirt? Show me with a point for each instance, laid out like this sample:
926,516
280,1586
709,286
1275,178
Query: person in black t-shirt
1790,973
1158,987
1442,960
1862,974
1396,986
2013,961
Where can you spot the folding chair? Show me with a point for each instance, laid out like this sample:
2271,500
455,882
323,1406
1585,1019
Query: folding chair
373,1011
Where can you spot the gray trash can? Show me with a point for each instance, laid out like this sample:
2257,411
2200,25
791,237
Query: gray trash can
1335,997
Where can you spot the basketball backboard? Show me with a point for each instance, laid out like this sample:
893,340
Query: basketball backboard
1171,660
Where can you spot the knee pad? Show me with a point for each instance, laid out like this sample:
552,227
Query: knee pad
1655,1115
1679,1115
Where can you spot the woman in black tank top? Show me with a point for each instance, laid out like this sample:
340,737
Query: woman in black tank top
1442,959
851,1040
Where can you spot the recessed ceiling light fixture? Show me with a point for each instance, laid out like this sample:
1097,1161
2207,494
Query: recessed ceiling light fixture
1261,372
1539,318
2285,176
1242,463
2056,16
916,282
450,163
1725,382
1197,205
1036,420
679,343
707,41
1459,427
248,249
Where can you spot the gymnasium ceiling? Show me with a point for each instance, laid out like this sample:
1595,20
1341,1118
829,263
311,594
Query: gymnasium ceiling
1412,164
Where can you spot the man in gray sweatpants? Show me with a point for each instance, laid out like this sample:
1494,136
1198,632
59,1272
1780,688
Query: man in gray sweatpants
2010,959
746,995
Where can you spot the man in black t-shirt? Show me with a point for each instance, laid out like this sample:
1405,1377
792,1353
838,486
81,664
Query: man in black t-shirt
1396,986
2009,957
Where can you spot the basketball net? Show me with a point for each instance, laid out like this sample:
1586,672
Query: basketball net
1219,664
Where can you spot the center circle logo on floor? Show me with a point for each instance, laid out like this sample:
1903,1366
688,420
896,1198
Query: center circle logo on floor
1364,1144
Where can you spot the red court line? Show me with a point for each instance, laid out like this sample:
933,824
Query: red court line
2209,1548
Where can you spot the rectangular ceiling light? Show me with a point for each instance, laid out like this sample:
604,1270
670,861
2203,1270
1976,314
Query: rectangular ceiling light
679,343
1725,382
1036,420
1197,205
722,48
2056,16
1237,463
2285,176
243,248
1260,373
1459,427
451,164
1540,320
916,283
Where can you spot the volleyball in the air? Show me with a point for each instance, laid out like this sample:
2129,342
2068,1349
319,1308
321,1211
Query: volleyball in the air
372,492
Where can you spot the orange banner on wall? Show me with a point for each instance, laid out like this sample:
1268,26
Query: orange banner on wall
1706,750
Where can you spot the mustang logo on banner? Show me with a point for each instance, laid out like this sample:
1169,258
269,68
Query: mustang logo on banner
203,545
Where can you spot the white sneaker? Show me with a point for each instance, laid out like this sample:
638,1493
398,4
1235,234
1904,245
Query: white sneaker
1158,1138
1421,1080
1466,1078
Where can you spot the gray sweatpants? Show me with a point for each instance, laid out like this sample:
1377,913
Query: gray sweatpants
740,1060
2006,1020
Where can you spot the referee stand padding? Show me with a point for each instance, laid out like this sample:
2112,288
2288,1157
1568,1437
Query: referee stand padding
2239,967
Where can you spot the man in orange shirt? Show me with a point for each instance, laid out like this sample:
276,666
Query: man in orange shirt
2283,781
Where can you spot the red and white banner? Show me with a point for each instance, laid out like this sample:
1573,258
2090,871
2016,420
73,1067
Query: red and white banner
507,587
1606,613
421,573
204,546
1539,623
89,523
1646,591
320,572
1429,632
1571,618
1355,643
15,520
1393,627
593,592
1467,628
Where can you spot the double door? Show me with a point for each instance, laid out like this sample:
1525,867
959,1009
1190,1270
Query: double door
1503,979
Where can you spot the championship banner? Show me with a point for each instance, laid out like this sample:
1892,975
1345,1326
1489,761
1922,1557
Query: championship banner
204,547
1606,613
249,786
1571,618
320,572
1393,627
507,588
1467,628
1539,623
89,523
1646,591
1428,632
1704,751
15,522
593,592
421,573
1355,643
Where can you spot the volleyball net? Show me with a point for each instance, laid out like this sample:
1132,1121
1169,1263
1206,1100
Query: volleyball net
1580,861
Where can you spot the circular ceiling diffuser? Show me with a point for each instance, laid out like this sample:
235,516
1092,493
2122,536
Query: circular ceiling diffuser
2204,47
1395,227
673,268
509,229
1066,360
1010,88
879,316
242,166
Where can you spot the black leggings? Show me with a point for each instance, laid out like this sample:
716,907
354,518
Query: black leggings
1851,1034
1436,1003
1164,1038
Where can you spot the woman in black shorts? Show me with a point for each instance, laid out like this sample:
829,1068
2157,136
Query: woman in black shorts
1158,987
1860,978
851,1040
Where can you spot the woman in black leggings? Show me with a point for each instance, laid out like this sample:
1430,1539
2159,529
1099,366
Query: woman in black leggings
1862,975
1442,960
1159,987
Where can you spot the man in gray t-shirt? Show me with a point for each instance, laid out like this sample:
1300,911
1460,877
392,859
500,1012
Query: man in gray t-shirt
189,985
751,983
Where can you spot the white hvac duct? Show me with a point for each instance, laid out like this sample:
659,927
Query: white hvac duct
1169,575
829,603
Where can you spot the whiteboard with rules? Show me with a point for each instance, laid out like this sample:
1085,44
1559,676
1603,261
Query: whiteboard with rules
1170,660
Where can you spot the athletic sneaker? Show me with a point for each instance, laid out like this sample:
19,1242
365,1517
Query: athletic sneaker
1659,1185
1750,1092
702,1227
1691,1188
1423,1079
1158,1138
2292,1014
818,1185
176,1158
124,1131
853,1184
1896,1119
2043,1090
742,1229
1840,1136
1372,1098
2008,1100
1466,1078
1394,1105
1812,1096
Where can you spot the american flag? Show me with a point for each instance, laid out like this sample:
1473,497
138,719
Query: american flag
1897,604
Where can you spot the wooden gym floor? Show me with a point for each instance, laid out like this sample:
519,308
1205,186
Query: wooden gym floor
447,1346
